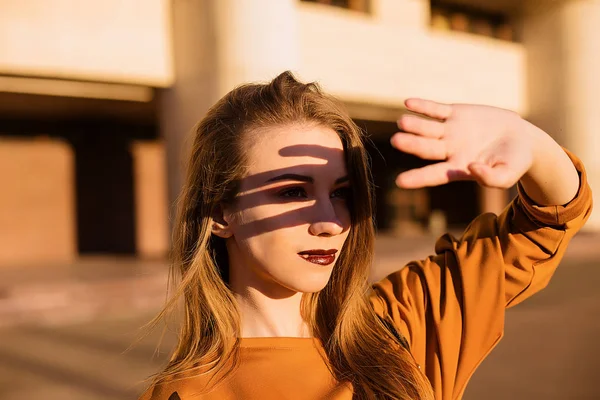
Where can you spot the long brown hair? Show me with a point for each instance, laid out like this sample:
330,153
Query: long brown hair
340,315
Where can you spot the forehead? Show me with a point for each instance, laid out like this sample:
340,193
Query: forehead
304,147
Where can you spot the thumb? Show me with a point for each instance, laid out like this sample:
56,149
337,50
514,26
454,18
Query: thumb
498,176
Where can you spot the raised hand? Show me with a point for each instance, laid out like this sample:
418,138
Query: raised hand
490,145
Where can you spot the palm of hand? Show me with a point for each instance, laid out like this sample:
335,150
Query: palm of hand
472,142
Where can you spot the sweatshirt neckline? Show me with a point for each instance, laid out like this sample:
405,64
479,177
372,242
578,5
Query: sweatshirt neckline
277,342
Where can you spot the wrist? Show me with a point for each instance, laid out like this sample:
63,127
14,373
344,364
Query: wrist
552,178
542,146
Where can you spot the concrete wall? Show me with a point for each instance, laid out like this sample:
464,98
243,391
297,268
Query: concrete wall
378,58
37,206
130,42
109,40
412,60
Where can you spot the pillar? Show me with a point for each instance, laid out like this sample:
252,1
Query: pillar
563,44
258,39
151,219
37,202
492,200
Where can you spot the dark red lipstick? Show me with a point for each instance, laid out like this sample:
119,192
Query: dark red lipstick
321,257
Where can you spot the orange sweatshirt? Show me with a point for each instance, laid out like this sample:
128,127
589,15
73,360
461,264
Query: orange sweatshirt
450,308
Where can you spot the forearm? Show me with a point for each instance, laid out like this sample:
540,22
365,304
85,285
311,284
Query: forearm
552,178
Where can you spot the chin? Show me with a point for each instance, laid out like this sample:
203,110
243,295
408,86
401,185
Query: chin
308,284
312,288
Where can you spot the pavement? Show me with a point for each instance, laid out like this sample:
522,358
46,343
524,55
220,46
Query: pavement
65,328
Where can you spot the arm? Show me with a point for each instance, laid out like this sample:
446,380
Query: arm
451,306
552,178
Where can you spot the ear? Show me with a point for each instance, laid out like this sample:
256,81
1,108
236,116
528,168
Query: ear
219,225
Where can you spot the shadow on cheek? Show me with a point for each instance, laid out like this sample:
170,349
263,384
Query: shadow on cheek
261,225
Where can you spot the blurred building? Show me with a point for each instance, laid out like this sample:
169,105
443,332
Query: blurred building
97,99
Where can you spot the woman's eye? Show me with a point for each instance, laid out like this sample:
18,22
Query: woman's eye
343,193
293,193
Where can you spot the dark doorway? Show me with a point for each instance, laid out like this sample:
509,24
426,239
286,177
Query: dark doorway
104,181
103,167
105,192
386,163
457,200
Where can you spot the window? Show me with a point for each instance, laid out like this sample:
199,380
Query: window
355,5
463,18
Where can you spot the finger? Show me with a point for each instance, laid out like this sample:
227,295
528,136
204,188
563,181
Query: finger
421,126
425,148
498,176
430,108
431,175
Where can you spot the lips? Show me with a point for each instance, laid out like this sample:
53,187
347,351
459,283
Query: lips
318,252
321,257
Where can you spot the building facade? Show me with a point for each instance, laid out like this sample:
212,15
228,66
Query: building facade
97,99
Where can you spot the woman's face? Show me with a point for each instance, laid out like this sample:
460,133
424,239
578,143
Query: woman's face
293,199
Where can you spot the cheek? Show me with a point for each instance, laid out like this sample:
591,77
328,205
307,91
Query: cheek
343,214
269,232
271,250
266,219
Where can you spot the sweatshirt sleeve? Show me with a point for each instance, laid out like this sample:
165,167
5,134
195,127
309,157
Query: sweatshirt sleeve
451,306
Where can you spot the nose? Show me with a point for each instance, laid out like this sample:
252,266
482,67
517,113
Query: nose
325,222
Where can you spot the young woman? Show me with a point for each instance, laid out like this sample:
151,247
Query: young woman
274,241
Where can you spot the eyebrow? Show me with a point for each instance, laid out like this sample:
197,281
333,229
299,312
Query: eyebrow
303,178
